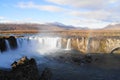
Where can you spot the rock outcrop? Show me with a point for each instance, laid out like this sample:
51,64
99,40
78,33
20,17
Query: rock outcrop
46,74
3,46
93,44
8,41
25,69
12,42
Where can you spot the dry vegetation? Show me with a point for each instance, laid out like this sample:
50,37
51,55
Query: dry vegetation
72,33
56,30
90,33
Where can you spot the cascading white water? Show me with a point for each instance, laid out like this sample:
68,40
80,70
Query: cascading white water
7,45
88,44
34,46
59,43
68,46
40,44
78,43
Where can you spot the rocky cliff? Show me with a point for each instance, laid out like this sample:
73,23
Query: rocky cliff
93,44
5,41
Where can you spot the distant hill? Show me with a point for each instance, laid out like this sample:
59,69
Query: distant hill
48,26
12,26
30,26
60,25
113,27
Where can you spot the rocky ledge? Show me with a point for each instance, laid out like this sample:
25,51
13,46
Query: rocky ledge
25,69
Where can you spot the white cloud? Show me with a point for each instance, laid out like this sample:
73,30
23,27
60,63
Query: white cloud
92,9
1,17
91,14
91,23
26,20
50,8
6,21
90,4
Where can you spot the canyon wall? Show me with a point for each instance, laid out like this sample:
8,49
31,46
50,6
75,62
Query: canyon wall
93,44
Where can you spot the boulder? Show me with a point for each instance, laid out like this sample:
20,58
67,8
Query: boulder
46,74
25,69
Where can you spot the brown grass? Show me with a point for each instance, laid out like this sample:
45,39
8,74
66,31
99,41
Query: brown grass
92,33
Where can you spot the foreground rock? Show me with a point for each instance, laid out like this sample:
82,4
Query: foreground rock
46,75
25,69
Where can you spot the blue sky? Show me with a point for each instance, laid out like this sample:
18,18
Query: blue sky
83,13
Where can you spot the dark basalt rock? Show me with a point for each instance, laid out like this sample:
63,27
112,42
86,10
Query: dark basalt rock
80,59
88,58
46,75
77,60
25,69
13,42
85,59
3,46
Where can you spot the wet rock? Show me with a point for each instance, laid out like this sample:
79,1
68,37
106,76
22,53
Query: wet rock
77,60
25,69
13,42
88,58
46,75
3,46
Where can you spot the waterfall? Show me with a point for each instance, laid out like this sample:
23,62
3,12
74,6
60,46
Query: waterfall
40,44
68,46
58,43
7,45
19,42
78,43
88,44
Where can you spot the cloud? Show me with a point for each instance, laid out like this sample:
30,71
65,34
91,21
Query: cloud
91,23
50,8
92,9
101,15
24,20
6,21
1,17
78,3
90,4
91,14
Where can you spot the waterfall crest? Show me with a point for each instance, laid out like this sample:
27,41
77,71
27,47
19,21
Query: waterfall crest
37,43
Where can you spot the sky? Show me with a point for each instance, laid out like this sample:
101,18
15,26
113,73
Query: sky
79,13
